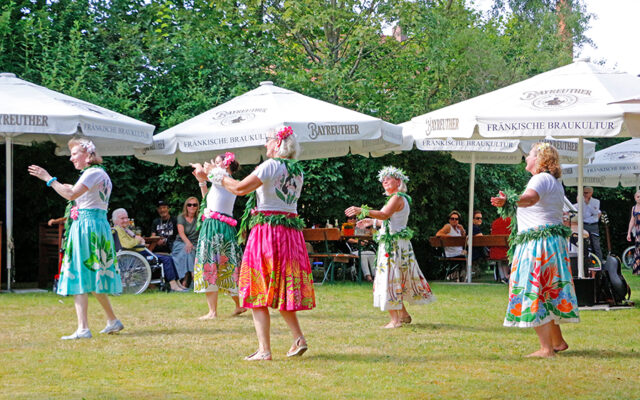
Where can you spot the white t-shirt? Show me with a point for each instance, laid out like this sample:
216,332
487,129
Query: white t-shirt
221,200
591,211
279,191
548,210
99,184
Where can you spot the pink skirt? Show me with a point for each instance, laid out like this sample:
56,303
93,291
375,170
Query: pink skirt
275,270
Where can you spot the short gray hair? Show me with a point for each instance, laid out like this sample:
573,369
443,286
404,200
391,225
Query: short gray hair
289,147
117,212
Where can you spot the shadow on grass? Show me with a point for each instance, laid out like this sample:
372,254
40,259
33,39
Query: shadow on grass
454,327
206,331
600,354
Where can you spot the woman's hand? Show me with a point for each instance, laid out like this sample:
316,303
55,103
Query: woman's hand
353,211
39,172
628,237
188,246
499,201
364,223
140,239
199,172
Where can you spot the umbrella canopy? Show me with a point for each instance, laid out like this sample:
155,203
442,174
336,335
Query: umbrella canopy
241,124
618,164
31,113
577,100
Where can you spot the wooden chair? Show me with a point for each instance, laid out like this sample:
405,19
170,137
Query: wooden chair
454,265
324,236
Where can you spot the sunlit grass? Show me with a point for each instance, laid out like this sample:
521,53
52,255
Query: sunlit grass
455,348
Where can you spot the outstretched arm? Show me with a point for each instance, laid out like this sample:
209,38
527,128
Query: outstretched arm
243,187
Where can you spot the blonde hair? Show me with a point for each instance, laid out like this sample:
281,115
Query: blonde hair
184,207
86,145
548,160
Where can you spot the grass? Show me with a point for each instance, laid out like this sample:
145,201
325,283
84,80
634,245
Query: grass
456,348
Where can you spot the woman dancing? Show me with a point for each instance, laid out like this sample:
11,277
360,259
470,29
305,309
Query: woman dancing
275,269
633,233
398,276
89,262
541,292
218,254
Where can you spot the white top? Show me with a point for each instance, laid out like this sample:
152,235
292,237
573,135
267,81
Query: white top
453,251
591,211
279,191
399,219
548,210
99,184
221,200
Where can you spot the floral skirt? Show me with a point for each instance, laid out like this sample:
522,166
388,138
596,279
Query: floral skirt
218,256
89,261
275,270
398,278
541,288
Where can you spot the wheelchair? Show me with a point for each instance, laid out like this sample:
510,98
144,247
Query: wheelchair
138,269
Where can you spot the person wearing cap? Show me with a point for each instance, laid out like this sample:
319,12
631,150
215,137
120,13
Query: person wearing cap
166,227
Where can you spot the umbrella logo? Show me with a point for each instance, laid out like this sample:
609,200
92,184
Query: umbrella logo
226,118
622,156
90,107
554,99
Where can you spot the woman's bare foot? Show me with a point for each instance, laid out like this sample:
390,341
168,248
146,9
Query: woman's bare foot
210,315
238,311
392,325
542,353
561,347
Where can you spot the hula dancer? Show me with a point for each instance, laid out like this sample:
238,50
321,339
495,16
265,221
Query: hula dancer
89,263
275,269
541,292
218,254
398,276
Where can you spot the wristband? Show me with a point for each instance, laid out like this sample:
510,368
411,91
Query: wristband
50,181
202,184
364,212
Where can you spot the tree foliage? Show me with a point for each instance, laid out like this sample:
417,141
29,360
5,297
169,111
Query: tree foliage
165,61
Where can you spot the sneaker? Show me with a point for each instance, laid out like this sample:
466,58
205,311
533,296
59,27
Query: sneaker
505,281
114,327
79,334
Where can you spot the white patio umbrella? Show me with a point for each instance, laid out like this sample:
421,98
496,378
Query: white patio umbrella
570,101
617,164
31,113
241,124
486,151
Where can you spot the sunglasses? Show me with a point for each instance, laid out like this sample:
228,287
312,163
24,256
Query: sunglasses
453,219
477,217
192,205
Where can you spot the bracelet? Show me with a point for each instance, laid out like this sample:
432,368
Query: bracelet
202,184
364,211
50,181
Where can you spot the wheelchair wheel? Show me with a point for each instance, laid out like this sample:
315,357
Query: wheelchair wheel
628,257
134,270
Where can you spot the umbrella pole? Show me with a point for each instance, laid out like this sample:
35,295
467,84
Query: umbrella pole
9,204
637,182
580,199
472,179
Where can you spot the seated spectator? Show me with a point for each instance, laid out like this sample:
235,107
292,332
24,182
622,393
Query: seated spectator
165,227
367,255
478,252
131,241
453,228
500,226
183,252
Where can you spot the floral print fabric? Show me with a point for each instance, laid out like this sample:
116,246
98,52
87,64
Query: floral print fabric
89,263
275,270
218,256
398,278
541,288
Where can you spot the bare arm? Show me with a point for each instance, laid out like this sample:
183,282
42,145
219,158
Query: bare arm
394,205
66,191
631,224
444,231
243,187
528,198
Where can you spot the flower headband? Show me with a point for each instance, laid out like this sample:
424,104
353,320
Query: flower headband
284,133
543,146
229,157
393,172
88,146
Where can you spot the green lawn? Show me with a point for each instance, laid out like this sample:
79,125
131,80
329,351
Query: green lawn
455,348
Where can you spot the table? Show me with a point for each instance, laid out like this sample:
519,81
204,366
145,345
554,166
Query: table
151,242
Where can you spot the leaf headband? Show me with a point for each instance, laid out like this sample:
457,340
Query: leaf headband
393,172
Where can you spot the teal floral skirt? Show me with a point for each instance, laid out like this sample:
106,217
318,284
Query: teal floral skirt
540,287
218,258
89,262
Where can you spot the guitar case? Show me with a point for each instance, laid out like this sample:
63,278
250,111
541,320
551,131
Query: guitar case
613,287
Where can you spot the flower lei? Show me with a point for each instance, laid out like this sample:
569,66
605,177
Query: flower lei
246,222
542,146
219,216
229,157
393,172
88,146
